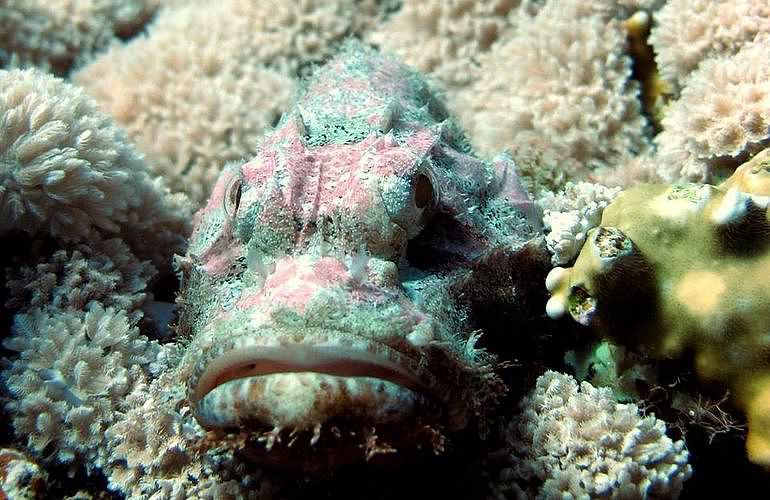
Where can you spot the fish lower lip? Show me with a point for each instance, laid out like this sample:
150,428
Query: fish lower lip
327,359
303,400
234,377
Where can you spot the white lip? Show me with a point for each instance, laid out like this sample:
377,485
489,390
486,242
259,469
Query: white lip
341,361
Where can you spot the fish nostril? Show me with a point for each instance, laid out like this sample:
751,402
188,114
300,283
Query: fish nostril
423,191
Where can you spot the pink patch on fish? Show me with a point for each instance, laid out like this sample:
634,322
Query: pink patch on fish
295,282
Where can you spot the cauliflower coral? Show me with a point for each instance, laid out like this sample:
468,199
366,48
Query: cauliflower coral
570,213
581,443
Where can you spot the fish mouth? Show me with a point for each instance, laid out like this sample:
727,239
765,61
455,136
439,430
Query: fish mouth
301,385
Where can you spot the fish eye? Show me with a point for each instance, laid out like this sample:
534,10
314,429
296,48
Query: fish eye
423,191
233,197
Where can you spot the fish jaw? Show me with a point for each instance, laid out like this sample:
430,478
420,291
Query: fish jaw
248,384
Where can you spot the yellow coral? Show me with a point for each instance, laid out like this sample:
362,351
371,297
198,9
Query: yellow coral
684,267
753,176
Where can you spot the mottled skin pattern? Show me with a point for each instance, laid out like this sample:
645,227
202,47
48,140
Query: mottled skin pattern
316,290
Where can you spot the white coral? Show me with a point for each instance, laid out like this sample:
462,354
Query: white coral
722,116
68,172
56,34
444,37
71,377
582,444
156,449
688,32
151,442
569,214
104,271
563,77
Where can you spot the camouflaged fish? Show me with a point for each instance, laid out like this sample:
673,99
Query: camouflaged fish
318,286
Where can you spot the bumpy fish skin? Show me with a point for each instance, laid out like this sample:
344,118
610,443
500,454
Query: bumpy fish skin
317,286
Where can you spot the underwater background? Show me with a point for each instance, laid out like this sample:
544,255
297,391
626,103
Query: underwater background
485,249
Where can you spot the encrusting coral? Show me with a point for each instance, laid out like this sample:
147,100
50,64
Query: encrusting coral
57,35
684,267
721,118
200,88
581,443
68,172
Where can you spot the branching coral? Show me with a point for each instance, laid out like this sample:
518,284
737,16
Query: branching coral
105,272
68,172
21,477
71,378
59,34
721,118
688,32
156,449
581,444
683,268
570,213
207,80
561,84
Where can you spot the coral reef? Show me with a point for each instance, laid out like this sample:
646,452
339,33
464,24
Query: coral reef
68,172
582,444
20,477
100,229
721,118
683,267
444,38
200,88
364,286
71,378
57,36
561,85
570,213
688,32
